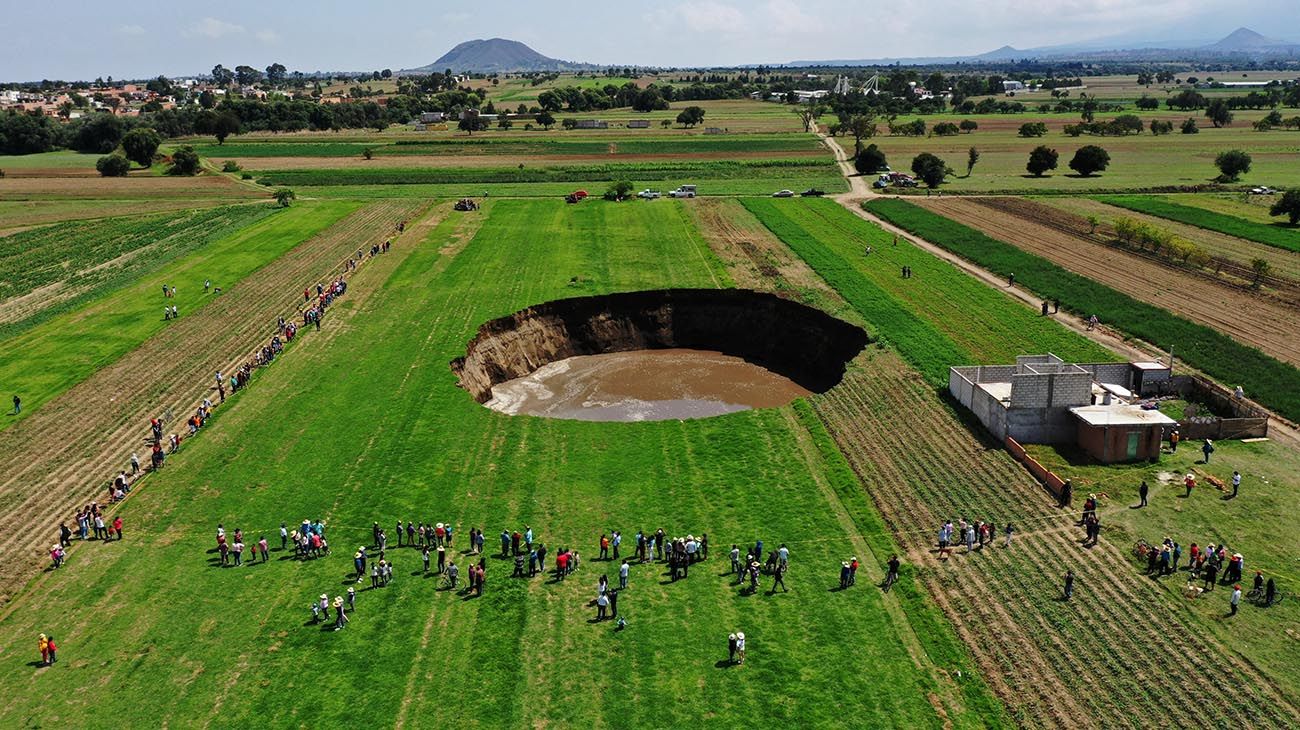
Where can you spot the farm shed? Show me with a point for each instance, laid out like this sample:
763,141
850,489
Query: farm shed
1114,433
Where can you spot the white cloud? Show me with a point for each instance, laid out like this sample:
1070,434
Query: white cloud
130,30
785,16
213,28
267,36
456,17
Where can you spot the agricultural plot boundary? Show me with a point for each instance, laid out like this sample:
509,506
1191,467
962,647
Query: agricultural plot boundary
1277,236
716,170
1270,381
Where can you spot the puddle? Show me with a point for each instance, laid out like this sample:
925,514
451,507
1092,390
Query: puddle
644,385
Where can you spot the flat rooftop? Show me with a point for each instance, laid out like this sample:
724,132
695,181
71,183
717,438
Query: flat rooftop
1121,415
998,389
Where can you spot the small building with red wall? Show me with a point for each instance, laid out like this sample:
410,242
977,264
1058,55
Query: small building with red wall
1114,432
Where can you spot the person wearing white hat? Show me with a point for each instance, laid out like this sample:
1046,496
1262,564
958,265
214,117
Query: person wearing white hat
731,648
340,617
740,647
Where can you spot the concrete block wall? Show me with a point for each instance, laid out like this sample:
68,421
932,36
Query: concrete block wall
1030,391
1071,389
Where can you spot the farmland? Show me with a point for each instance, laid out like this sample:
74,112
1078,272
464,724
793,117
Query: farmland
363,422
1271,382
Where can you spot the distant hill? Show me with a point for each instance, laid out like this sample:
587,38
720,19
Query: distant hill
1245,39
498,55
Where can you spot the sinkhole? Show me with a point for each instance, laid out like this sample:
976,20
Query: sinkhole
656,355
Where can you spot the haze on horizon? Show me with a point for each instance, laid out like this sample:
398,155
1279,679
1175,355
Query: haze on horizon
136,39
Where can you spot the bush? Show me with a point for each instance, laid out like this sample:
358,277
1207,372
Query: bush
1159,127
140,145
285,197
1189,126
185,161
1288,205
618,190
870,160
946,129
230,166
1089,160
1232,164
113,166
969,125
931,169
246,176
1033,129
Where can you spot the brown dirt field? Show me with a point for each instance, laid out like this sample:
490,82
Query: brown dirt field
1285,263
920,465
1257,320
133,188
412,161
56,468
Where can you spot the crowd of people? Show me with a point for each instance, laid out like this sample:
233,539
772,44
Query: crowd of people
974,535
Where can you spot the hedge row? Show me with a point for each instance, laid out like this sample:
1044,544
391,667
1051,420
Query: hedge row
1271,235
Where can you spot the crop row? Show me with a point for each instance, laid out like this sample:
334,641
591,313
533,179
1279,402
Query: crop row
1272,382
518,145
82,256
718,170
937,318
1271,235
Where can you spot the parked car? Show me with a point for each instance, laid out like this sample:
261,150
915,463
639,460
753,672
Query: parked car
813,193
783,194
684,191
649,194
1264,190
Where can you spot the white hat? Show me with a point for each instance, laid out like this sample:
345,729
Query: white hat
740,635
324,596
439,524
731,637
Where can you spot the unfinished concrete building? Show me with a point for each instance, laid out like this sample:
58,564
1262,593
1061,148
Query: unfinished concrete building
1045,400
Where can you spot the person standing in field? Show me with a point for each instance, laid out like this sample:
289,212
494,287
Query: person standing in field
117,526
18,405
1142,493
622,575
1236,598
1236,482
731,648
1189,482
1174,438
1008,531
1069,584
424,555
740,647
779,578
43,643
1207,448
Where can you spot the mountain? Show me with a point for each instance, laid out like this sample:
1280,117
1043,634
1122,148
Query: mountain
1245,39
497,55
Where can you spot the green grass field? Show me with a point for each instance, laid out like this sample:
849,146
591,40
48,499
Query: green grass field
378,418
51,351
522,143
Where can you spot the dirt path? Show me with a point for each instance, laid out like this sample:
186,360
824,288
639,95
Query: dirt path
1260,321
64,455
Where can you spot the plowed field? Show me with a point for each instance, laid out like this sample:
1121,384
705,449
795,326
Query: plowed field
1259,321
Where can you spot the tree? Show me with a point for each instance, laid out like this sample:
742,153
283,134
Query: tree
367,154
1219,113
207,99
969,125
1033,129
1261,268
470,122
1160,126
185,161
1146,103
665,124
945,129
1288,205
931,169
1041,159
113,166
388,74
285,197
276,73
1089,160
1232,164
222,76
972,157
247,75
870,160
861,126
224,125
691,116
618,190
545,119
808,114
550,101
1189,126
101,133
140,145
505,123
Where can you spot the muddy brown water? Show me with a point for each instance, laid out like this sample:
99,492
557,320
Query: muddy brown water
644,385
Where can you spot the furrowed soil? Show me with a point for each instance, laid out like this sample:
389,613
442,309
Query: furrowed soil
65,454
1097,661
1263,322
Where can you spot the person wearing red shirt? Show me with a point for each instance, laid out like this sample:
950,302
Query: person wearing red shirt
117,526
561,565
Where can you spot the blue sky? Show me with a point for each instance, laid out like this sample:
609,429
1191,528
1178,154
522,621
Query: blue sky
137,38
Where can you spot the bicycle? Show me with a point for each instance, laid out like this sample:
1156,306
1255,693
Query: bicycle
1142,549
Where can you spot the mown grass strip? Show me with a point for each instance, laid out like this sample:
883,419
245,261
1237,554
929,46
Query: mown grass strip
1279,236
715,170
1270,381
